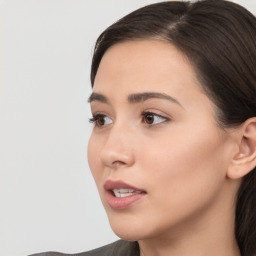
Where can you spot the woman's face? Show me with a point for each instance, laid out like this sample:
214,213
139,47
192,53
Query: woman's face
156,152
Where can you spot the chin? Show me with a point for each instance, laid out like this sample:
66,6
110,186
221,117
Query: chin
129,230
132,229
128,234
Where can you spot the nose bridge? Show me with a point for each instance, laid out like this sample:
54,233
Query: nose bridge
118,147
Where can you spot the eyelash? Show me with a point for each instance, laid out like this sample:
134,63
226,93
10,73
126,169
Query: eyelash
154,115
98,117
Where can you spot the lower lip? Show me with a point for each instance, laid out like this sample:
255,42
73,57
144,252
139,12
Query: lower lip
123,202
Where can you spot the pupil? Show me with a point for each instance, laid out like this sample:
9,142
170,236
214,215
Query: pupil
149,119
101,121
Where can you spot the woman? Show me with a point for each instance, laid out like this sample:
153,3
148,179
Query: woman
173,148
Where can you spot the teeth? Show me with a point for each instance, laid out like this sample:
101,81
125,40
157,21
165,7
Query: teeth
124,192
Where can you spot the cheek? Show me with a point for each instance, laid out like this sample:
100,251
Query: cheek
93,153
185,166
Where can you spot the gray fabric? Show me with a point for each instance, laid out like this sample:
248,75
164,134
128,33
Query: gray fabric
118,248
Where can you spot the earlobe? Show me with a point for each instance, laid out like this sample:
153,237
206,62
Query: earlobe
244,160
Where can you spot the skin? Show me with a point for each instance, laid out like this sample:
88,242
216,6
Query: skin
180,160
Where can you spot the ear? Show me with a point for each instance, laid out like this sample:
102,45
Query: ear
244,160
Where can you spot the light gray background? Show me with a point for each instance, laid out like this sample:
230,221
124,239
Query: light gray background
48,200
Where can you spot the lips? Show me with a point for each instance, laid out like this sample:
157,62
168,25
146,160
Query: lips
119,187
121,195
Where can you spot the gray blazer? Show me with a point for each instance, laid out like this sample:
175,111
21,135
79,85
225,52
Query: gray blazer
118,248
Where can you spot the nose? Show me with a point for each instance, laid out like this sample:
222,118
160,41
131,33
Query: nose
118,150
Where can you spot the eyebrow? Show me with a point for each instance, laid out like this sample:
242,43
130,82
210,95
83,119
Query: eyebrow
135,98
139,97
97,97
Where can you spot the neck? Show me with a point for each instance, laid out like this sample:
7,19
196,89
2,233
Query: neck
192,245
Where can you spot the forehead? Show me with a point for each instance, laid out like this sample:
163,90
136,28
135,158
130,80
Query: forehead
146,65
141,58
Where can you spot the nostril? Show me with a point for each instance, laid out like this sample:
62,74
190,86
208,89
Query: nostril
118,163
116,156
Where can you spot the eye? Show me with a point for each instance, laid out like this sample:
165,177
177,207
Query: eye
100,120
152,118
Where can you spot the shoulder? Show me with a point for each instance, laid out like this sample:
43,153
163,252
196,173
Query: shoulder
118,248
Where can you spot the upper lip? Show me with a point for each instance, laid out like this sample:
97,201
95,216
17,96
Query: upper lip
118,184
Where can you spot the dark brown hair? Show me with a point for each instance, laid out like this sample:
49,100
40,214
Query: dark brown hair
219,39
